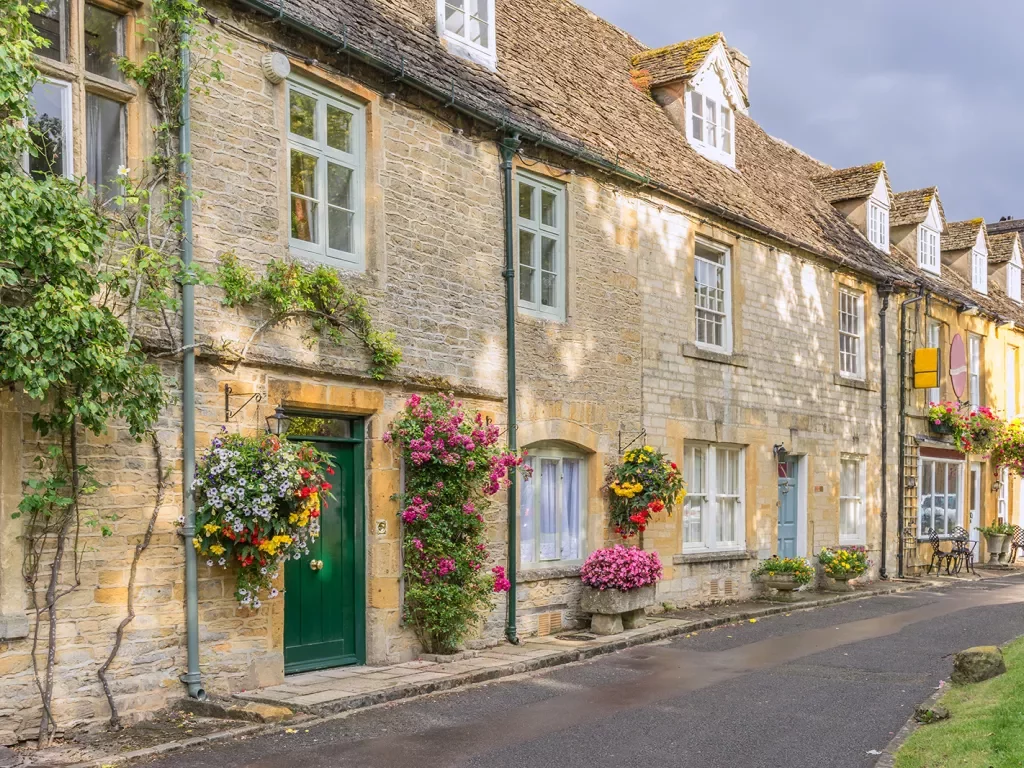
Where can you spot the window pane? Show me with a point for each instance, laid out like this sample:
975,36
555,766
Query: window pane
339,128
104,142
572,516
51,24
526,269
697,115
548,202
339,230
525,201
548,289
104,42
548,509
47,99
527,521
478,32
304,225
926,497
548,254
303,174
302,115
455,17
710,124
339,185
693,504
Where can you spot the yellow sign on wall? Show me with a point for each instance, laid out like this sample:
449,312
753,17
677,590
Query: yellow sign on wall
926,368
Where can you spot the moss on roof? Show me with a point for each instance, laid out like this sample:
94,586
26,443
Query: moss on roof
850,183
911,207
679,60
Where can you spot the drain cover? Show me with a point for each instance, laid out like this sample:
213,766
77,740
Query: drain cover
582,636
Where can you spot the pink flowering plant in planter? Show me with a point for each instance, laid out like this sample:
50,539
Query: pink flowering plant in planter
453,465
621,568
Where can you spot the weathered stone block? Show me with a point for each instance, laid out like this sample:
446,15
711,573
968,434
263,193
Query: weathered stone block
615,600
979,663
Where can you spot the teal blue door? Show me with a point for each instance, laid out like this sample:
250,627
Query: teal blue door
789,507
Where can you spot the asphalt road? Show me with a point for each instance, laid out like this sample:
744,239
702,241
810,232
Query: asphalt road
813,688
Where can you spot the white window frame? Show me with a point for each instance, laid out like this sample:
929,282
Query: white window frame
1003,497
711,498
726,268
534,487
979,271
857,500
878,225
1013,276
922,492
928,251
68,171
461,45
974,369
539,230
851,330
933,329
354,160
716,124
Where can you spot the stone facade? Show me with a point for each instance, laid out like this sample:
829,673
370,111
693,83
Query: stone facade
622,364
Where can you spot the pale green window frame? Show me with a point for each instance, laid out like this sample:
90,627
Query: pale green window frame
540,246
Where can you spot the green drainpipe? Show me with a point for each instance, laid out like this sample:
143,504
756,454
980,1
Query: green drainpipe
509,145
192,677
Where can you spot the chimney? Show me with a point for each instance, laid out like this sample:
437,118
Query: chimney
741,68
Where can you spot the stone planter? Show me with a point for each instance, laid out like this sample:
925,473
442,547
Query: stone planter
840,583
1004,551
784,585
994,545
614,610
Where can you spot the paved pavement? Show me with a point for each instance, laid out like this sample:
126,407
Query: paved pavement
814,688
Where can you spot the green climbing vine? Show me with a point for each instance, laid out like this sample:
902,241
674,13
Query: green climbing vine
292,291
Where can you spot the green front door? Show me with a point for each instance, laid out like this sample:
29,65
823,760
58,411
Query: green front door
324,611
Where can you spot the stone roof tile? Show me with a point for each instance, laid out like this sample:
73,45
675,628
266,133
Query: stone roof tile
911,207
1000,247
679,61
961,235
850,183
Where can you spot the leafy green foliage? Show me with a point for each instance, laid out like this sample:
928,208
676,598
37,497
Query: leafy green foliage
18,74
291,291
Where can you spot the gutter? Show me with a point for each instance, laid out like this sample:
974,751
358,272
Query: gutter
901,510
191,678
884,291
509,145
341,45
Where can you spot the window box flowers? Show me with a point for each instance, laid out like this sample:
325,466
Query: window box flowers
978,431
618,585
945,418
783,574
843,565
645,484
257,503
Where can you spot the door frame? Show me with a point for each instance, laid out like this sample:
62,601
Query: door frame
975,487
800,465
358,439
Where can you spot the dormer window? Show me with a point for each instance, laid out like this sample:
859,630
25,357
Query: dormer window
467,26
711,127
878,225
928,249
979,271
1013,281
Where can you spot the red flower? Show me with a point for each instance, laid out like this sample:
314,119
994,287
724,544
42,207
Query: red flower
314,513
330,470
325,486
673,465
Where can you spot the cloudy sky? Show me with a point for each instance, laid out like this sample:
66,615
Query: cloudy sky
932,88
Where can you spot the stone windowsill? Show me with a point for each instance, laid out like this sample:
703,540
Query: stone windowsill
13,626
690,349
527,575
691,558
845,381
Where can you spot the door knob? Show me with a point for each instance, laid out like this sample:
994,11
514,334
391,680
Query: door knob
316,565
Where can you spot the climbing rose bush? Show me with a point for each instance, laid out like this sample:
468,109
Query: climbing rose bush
258,503
453,465
643,485
622,568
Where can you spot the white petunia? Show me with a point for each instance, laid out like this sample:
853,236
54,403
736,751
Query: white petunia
123,171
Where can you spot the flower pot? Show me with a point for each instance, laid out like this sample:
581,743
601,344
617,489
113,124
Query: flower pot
841,583
994,544
614,610
941,428
785,585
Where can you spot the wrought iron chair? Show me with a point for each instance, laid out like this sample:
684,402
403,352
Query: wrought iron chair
939,556
963,551
1016,542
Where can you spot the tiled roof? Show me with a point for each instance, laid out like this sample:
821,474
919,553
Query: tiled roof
564,74
850,183
961,235
1006,225
911,207
1000,247
676,62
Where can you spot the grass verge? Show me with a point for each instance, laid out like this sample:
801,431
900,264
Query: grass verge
985,728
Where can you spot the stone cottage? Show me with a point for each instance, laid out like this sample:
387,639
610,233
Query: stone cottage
679,278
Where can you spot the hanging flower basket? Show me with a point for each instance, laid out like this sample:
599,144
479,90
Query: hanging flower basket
257,504
945,418
643,485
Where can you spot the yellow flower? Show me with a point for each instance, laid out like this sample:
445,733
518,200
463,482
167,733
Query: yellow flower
197,542
217,549
648,449
210,528
293,518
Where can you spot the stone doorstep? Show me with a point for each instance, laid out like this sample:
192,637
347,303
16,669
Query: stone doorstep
421,677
